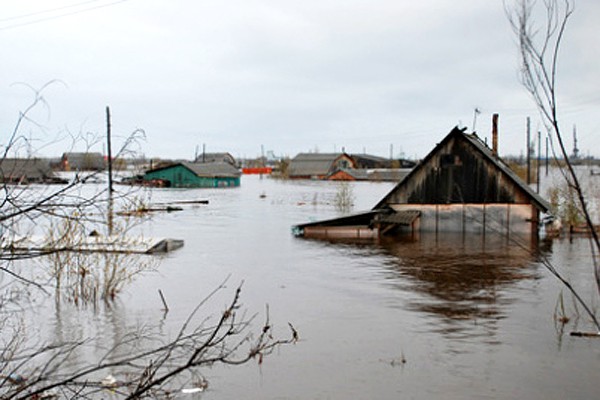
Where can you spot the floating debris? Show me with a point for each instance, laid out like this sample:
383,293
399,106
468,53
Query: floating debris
94,244
586,334
199,387
145,210
109,381
192,390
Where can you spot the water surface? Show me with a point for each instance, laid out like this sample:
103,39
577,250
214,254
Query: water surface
443,317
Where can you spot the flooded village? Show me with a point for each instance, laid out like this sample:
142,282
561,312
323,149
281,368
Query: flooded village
410,278
299,200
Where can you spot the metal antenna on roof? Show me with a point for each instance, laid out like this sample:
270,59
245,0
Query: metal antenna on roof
476,112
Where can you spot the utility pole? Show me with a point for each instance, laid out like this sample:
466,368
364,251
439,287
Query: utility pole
539,160
546,155
110,182
575,149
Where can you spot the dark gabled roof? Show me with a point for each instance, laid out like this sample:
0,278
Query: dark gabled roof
215,158
370,161
481,148
540,202
369,157
388,174
312,164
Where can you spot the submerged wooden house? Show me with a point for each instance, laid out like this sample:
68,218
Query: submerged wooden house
27,170
195,175
319,165
461,186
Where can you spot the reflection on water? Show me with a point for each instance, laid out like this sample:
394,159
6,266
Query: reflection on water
462,280
473,318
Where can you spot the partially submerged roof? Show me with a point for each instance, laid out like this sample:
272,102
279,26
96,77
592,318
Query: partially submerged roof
363,218
493,175
313,164
28,169
384,218
213,170
206,170
372,161
381,174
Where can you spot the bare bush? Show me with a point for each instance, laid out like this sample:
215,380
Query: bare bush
539,45
141,364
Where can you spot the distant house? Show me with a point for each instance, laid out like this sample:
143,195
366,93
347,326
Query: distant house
83,162
216,158
388,174
319,165
348,175
462,186
378,175
367,161
198,175
27,170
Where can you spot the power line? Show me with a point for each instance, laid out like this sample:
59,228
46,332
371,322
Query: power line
55,16
50,10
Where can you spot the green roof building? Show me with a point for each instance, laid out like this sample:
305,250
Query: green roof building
196,175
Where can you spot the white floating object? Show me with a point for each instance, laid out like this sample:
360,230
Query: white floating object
109,381
192,390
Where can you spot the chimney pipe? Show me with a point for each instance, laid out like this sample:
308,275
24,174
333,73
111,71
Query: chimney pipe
495,135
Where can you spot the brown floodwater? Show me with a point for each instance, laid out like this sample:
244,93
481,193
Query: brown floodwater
444,317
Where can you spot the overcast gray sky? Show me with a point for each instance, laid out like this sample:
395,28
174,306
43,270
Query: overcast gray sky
291,75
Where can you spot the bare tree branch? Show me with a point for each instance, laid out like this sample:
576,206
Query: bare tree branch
539,63
141,364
